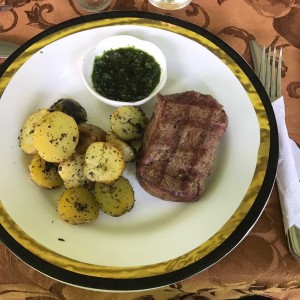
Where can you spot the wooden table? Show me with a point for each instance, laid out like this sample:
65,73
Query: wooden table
261,264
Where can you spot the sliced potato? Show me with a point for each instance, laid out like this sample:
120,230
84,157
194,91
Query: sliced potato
127,150
71,108
78,205
137,146
71,172
56,136
103,162
115,199
128,122
44,173
89,134
26,135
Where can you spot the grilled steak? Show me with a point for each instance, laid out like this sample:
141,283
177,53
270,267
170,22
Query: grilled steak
179,145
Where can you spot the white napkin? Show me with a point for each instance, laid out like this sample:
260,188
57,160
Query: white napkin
288,170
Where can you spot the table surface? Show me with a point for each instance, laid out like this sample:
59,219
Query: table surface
264,269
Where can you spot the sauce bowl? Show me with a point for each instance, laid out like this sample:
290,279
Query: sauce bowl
116,42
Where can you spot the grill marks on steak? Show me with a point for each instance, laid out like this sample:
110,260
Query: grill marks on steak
179,145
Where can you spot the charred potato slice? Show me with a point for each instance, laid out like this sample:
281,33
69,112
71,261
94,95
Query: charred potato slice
127,150
56,136
128,122
89,134
103,162
71,108
43,173
115,199
71,172
78,205
26,135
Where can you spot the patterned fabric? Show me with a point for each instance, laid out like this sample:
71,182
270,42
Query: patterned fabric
261,264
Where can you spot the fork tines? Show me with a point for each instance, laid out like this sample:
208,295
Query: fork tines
271,79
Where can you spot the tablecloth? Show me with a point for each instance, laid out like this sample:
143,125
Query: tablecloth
261,264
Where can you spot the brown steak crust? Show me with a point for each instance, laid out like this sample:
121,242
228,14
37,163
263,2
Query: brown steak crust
179,145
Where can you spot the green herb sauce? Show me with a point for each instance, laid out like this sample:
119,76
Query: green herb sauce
125,74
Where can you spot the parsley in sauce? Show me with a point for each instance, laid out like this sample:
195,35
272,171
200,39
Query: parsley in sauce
125,74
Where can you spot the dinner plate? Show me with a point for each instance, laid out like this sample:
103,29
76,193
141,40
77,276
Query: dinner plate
158,242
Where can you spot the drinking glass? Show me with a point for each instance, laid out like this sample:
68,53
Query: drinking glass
94,6
170,4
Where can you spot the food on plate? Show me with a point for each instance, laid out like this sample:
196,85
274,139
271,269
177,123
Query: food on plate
125,74
88,134
44,173
56,136
128,122
71,172
115,199
127,150
104,162
72,108
78,205
180,144
26,135
78,156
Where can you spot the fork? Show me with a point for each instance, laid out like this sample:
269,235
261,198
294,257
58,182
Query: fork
265,69
267,74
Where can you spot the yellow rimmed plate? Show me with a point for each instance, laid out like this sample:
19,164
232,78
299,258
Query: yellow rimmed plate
158,242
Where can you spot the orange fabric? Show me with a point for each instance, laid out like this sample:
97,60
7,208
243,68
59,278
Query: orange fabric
261,264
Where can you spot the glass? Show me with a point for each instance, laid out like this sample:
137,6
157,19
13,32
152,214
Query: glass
94,6
170,4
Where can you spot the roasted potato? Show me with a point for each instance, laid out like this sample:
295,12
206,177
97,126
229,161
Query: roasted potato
127,150
103,162
128,122
56,136
71,108
78,205
43,173
115,199
89,134
26,135
71,172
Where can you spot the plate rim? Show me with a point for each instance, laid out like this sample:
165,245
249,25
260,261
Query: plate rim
142,283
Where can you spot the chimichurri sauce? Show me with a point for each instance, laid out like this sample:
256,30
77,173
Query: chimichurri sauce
125,74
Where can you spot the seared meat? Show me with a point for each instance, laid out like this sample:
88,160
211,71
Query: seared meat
179,145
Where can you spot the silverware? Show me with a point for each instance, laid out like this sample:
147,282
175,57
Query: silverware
293,238
6,49
271,79
256,53
265,69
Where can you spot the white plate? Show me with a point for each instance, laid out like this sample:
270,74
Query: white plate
158,242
